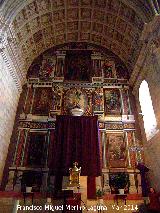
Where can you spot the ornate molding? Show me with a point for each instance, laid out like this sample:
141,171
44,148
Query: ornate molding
36,125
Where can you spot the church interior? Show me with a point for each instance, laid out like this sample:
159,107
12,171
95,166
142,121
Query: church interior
79,103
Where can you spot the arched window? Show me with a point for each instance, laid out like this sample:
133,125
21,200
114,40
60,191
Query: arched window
150,123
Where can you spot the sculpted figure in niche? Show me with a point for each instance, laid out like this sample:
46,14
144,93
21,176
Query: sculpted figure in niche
109,69
57,98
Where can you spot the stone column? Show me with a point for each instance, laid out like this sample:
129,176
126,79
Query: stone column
106,185
9,186
132,188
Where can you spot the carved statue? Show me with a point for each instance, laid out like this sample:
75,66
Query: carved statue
74,178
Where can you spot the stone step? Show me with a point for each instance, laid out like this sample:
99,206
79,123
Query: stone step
6,205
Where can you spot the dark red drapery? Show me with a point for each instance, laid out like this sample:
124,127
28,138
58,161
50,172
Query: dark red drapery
76,139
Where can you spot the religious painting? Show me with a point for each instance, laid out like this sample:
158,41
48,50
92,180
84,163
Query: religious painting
75,98
48,66
116,149
43,101
78,65
109,69
43,67
36,149
98,100
112,102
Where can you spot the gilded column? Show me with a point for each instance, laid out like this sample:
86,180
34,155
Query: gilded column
128,152
129,105
135,146
34,91
24,107
48,143
122,105
104,149
24,147
15,154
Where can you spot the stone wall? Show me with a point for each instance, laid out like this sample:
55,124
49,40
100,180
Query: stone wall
9,96
147,68
152,147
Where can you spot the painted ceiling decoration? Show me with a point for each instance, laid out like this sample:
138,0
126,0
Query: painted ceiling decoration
33,26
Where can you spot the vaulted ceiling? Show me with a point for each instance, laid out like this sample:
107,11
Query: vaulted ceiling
36,25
